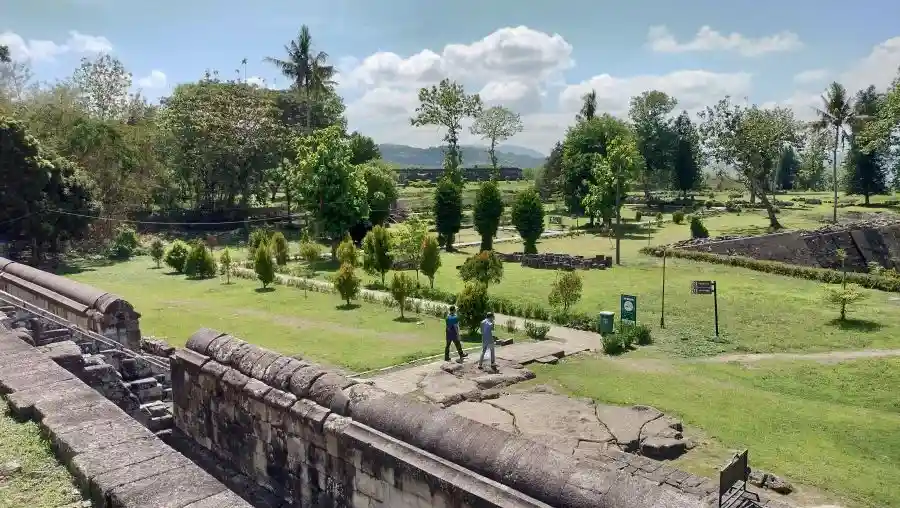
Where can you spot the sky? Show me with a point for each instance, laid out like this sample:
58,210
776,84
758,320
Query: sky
537,58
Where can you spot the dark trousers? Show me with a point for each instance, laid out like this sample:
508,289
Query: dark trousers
455,341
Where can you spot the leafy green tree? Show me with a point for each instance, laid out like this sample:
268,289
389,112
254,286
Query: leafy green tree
347,283
333,190
496,125
347,253
867,172
310,253
487,212
788,166
307,68
264,265
548,180
484,267
446,105
226,264
363,149
656,136
749,139
836,115
583,142
36,187
448,210
177,255
125,244
157,251
377,255
811,171
566,290
409,242
698,229
528,218
881,132
431,258
200,263
588,107
104,85
847,294
402,287
687,173
280,249
472,305
381,189
611,177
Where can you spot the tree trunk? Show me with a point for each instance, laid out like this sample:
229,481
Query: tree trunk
448,242
834,182
770,210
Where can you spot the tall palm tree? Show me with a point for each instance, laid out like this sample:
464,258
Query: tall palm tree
588,107
837,113
308,70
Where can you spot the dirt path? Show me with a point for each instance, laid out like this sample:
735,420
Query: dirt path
826,357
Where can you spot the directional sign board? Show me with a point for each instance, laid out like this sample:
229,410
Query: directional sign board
703,287
629,309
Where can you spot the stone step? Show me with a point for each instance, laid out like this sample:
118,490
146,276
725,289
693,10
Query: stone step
160,423
147,389
156,408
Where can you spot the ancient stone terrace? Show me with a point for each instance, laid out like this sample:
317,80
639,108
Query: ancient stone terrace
115,460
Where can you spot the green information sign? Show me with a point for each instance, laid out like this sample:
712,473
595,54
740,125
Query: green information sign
629,309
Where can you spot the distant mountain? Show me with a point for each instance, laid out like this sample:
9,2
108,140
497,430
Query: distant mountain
521,150
433,157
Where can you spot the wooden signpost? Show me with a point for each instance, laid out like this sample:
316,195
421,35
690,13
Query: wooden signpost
708,287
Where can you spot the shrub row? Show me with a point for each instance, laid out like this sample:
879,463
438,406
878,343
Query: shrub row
825,275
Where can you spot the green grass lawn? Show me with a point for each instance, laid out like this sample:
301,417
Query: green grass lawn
833,427
315,326
37,480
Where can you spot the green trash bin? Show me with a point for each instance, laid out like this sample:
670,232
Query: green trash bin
607,321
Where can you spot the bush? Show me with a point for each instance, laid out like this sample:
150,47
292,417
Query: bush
402,287
698,230
844,296
157,250
200,263
511,325
125,245
634,334
347,253
486,213
257,238
310,252
678,217
638,216
263,265
484,267
659,219
448,210
801,272
226,264
279,246
536,331
566,290
347,283
613,344
177,255
431,258
472,305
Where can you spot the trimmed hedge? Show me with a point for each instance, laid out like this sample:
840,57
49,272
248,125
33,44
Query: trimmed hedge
825,275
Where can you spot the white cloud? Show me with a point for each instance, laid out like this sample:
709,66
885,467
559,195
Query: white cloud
156,79
660,39
37,50
811,76
257,81
878,68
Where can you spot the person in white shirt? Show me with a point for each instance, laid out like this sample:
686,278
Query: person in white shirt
487,340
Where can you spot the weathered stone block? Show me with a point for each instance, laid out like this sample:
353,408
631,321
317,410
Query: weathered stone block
246,363
106,482
176,487
202,339
278,403
282,378
259,368
97,436
303,379
191,361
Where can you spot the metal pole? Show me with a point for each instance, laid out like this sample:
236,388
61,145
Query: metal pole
716,306
662,310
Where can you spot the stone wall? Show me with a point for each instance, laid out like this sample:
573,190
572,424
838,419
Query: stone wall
551,261
317,438
864,243
116,461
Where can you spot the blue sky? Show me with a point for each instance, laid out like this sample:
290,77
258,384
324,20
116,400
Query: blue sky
534,57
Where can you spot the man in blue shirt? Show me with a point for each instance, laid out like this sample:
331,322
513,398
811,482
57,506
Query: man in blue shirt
452,325
487,340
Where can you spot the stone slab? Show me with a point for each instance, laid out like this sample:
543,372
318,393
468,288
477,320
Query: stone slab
97,462
625,423
64,422
446,389
33,376
107,482
525,353
176,488
486,414
100,435
227,499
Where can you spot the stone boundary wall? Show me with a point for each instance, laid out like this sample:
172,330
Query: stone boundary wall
116,462
863,245
317,438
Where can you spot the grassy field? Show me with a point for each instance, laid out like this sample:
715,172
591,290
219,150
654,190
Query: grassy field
832,427
29,473
316,326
